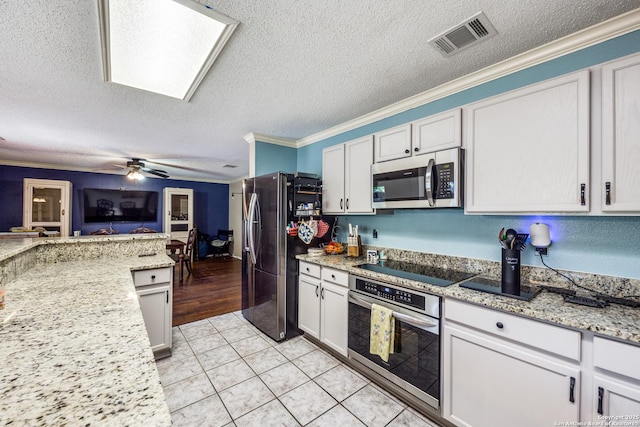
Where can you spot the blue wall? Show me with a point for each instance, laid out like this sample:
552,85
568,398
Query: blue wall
211,207
603,245
274,158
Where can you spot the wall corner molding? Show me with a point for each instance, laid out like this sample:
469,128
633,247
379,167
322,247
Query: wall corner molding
286,142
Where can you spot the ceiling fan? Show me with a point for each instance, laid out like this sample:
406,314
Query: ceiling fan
136,167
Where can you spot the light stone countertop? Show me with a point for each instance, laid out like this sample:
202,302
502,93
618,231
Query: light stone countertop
614,321
73,344
11,247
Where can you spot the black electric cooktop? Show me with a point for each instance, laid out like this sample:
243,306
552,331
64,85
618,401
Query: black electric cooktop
420,273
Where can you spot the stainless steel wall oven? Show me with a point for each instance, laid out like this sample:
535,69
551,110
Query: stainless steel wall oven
415,364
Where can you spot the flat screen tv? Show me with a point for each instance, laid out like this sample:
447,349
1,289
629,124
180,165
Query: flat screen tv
105,205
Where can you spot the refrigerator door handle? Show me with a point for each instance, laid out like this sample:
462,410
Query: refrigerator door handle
250,228
258,235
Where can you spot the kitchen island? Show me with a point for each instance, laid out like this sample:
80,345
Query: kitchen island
74,346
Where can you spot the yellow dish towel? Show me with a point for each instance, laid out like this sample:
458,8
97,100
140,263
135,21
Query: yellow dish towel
382,332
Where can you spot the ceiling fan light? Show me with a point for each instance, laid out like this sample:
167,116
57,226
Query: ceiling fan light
135,175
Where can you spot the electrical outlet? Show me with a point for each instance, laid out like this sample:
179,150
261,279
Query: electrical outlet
542,251
375,233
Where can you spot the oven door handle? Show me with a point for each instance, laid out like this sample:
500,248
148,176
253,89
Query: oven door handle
418,323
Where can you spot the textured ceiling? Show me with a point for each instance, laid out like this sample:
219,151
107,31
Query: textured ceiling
291,69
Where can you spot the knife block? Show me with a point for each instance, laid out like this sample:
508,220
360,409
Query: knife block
354,246
511,271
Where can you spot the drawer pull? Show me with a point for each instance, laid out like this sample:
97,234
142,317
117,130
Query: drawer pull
407,151
153,277
600,399
333,276
572,386
499,325
307,269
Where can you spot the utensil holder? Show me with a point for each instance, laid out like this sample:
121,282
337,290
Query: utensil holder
354,246
511,271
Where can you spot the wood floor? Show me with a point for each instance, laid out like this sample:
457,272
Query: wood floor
214,287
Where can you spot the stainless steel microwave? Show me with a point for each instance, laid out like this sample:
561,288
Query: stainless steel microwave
430,180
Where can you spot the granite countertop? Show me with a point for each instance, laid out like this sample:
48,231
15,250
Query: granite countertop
613,321
12,247
74,347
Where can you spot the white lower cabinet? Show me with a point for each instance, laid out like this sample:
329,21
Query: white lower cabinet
309,305
155,296
617,399
494,381
323,305
334,306
616,382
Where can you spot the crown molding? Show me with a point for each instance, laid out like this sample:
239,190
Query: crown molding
607,30
286,142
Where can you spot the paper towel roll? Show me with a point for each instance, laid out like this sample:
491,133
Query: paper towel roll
539,233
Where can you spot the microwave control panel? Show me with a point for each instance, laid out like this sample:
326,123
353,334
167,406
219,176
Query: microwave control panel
446,177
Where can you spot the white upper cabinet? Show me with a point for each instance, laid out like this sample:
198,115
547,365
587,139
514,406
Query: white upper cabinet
437,132
620,182
391,144
528,150
346,177
433,133
333,179
358,161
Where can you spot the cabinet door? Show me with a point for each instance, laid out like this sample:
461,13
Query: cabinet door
155,303
358,161
620,135
334,306
178,212
489,383
309,305
528,150
615,398
437,132
333,180
47,203
394,143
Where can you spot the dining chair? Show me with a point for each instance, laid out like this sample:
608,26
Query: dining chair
188,250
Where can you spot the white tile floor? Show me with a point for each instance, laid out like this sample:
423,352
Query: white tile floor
225,372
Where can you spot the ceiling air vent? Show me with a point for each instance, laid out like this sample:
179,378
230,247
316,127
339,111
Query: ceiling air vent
466,34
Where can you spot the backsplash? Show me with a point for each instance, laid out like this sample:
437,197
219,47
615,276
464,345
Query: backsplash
610,285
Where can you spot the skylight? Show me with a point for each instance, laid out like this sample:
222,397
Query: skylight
162,46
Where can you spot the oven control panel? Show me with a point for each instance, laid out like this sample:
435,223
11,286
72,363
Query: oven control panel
402,296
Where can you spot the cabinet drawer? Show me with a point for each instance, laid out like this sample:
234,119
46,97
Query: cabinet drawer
309,269
616,357
553,339
149,277
335,276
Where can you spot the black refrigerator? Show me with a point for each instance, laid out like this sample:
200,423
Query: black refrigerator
270,269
